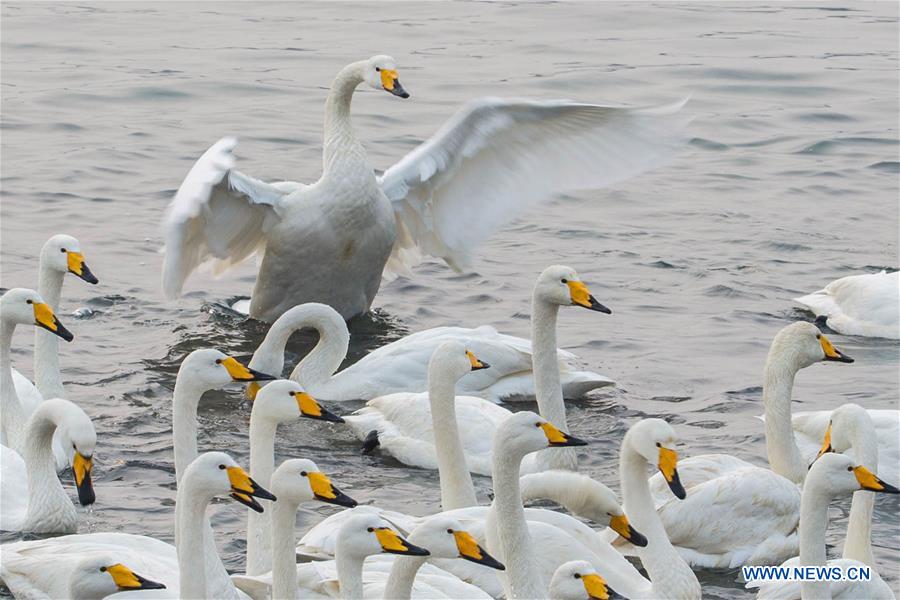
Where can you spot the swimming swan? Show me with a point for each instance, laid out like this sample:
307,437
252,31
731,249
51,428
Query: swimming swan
43,568
830,476
279,402
578,580
402,365
488,163
401,420
867,305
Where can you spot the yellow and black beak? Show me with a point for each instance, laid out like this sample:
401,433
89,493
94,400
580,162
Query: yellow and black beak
581,296
477,365
668,459
392,543
324,491
78,267
239,372
832,353
82,466
826,443
126,579
44,317
391,83
595,586
471,551
869,481
620,524
244,489
310,408
557,438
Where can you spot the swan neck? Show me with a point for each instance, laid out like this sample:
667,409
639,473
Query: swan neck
12,416
323,361
262,465
858,545
185,400
190,518
284,563
813,524
547,385
781,447
340,140
48,503
402,576
349,571
457,489
46,345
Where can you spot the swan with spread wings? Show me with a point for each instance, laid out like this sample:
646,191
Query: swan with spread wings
334,240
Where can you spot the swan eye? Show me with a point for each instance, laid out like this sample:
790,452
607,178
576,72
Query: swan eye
222,467
103,569
850,468
564,280
370,529
818,336
378,69
450,531
537,424
28,301
303,473
63,250
658,445
577,576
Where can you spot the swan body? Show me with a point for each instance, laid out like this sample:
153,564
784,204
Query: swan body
830,476
866,305
400,420
402,366
43,568
488,163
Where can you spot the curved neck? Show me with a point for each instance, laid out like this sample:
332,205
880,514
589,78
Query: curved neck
813,524
858,545
547,386
262,464
12,417
284,560
190,517
46,345
669,574
323,361
402,576
349,571
340,141
184,423
521,578
49,508
784,455
457,490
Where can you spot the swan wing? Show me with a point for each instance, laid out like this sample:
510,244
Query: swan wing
495,158
14,491
867,305
694,471
218,215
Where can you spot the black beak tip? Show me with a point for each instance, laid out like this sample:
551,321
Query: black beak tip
86,495
340,499
489,561
637,538
331,417
571,440
62,331
846,359
87,276
482,365
596,306
889,489
678,489
248,502
146,584
257,376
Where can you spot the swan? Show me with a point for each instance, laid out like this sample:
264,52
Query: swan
866,305
402,365
33,499
42,568
578,580
488,163
93,578
280,402
400,420
831,476
738,513
20,306
444,537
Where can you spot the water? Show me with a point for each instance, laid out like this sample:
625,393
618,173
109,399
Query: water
790,182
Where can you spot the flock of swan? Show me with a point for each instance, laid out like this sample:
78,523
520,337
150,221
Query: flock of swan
433,398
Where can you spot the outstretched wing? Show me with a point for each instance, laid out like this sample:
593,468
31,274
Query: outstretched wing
218,215
495,158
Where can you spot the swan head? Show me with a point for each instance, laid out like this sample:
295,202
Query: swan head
217,474
561,286
847,423
22,306
365,534
62,253
452,359
655,440
578,580
840,475
299,480
445,537
801,345
525,432
210,369
97,577
380,72
81,433
284,400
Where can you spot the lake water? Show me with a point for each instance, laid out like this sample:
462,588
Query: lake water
790,181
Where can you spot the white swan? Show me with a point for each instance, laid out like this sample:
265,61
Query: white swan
20,306
400,421
578,580
42,568
280,402
867,305
93,578
488,163
45,506
402,365
830,476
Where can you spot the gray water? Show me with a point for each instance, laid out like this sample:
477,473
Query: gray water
790,181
